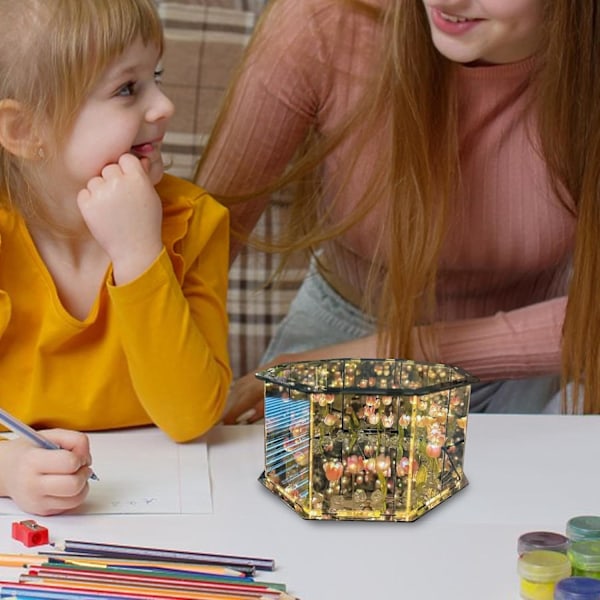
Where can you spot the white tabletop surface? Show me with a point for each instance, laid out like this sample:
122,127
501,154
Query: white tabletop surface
526,473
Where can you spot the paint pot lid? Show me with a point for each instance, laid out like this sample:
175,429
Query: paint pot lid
542,540
544,565
585,527
577,588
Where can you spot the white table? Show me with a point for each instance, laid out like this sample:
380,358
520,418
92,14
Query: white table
526,473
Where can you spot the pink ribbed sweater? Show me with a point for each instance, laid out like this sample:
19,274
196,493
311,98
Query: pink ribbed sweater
504,267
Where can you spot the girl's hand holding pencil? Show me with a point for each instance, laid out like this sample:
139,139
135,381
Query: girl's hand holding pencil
45,479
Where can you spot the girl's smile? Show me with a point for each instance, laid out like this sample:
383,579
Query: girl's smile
146,149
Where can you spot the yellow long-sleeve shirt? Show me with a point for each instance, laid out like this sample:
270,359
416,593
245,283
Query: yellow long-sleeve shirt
151,351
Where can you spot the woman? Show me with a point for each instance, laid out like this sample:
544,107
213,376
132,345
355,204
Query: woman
452,192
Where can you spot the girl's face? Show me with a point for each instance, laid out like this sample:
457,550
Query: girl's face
485,31
126,112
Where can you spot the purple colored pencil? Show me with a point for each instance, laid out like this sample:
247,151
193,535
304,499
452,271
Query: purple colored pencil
144,553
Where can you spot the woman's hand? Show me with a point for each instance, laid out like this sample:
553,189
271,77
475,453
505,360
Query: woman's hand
46,482
246,394
246,397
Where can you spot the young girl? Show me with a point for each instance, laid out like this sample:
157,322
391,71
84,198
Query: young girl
113,276
448,190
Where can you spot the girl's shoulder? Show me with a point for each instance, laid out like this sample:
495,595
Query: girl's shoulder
188,209
180,196
8,218
192,218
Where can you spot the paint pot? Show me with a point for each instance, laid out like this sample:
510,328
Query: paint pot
585,558
542,540
586,527
540,571
577,588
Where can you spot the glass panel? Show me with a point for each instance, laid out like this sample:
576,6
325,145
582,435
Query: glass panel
365,439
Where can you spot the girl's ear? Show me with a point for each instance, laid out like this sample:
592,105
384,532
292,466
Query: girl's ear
16,131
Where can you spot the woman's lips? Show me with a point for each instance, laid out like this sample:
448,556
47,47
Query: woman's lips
452,24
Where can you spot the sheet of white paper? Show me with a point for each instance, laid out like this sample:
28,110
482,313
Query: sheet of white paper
178,481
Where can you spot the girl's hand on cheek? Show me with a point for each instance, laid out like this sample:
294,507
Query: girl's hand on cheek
124,213
46,482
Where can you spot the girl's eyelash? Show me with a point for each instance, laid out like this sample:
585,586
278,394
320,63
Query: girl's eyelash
129,86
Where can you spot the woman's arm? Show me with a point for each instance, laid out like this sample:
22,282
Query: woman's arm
283,87
508,345
516,344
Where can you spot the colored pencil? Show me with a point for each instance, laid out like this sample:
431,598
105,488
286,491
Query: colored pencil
43,592
186,572
29,560
162,577
20,560
244,571
149,590
176,569
102,550
211,591
115,572
152,576
20,428
55,592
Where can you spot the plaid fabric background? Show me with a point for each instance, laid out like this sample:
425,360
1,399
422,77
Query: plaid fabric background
205,40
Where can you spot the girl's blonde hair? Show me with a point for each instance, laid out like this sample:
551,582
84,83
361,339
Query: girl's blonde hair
52,53
420,169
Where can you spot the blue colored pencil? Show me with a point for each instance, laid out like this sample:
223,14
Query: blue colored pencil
32,435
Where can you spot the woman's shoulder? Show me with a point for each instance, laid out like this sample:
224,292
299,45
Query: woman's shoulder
316,17
317,8
315,36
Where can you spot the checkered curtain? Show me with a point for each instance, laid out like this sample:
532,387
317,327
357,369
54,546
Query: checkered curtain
204,43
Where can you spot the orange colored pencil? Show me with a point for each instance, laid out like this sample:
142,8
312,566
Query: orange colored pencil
27,560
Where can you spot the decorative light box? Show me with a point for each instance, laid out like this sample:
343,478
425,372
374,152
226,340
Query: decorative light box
365,439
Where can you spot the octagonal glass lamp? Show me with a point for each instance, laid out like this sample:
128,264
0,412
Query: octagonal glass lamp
365,439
